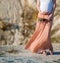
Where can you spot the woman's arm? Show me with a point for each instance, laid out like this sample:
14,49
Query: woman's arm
54,6
38,4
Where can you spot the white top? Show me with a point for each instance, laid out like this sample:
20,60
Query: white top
46,5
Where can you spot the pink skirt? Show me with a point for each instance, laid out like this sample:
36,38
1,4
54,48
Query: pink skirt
41,38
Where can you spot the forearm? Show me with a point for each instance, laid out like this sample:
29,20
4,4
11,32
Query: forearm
38,4
37,8
54,5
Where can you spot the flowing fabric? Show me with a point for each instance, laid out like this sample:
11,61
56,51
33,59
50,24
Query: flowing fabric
41,38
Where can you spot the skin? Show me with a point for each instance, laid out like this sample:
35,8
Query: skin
46,15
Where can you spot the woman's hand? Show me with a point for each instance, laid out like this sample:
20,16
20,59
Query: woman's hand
41,15
50,17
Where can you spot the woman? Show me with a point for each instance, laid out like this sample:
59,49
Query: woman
41,39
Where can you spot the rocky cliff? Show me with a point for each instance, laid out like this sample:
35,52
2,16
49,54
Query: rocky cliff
18,19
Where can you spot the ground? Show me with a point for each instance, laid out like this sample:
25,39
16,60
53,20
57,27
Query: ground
17,54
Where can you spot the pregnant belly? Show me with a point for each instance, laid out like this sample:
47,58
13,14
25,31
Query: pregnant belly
46,7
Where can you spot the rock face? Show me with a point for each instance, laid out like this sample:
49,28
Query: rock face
18,18
56,24
10,13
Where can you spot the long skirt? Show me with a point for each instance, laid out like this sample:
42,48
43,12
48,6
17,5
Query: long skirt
41,38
